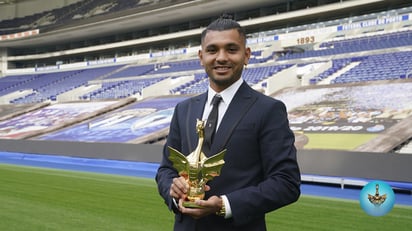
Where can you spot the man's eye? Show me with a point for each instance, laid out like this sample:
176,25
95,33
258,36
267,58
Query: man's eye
211,50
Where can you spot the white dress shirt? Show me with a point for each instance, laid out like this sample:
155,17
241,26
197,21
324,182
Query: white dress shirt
227,96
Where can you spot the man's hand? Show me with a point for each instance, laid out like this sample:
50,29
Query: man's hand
210,206
179,188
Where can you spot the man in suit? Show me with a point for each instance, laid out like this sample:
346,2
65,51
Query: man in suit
260,173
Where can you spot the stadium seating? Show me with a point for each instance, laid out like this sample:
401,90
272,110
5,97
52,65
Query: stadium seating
358,44
121,89
388,66
384,66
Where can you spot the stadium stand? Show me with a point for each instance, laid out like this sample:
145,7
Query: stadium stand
344,81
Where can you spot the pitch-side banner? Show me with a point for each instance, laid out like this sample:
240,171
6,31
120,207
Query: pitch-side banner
364,108
126,124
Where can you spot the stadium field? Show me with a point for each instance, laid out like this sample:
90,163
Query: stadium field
337,141
34,198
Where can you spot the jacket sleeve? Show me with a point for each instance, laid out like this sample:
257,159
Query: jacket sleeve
280,176
166,172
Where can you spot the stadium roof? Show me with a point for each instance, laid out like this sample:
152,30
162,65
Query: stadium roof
198,9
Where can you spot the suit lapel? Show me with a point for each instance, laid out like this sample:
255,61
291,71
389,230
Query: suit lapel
241,103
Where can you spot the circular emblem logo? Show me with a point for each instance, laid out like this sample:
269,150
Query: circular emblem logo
377,198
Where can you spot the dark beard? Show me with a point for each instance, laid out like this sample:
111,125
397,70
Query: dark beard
223,83
226,82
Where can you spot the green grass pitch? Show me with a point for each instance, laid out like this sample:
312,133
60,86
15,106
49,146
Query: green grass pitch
337,141
47,199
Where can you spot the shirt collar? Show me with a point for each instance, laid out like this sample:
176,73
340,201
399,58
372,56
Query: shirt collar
227,94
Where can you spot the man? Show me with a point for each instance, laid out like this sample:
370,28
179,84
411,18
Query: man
260,173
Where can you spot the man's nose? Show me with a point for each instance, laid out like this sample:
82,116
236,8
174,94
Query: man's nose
221,55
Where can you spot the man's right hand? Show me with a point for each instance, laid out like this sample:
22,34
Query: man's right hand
179,188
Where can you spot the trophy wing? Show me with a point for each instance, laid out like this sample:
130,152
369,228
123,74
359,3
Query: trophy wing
213,165
180,162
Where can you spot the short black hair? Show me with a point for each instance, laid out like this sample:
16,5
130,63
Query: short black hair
224,22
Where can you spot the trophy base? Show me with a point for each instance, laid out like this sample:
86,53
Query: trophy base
190,204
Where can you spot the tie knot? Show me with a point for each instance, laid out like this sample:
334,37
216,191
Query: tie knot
216,100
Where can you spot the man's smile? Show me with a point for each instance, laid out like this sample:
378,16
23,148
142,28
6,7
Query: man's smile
222,69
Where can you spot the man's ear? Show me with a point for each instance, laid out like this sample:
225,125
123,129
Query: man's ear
248,52
200,55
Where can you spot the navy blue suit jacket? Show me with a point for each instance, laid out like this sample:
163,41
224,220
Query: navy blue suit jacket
260,173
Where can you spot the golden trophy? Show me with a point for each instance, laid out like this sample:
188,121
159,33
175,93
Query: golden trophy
196,168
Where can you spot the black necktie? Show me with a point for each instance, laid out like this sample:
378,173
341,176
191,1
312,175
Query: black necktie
211,122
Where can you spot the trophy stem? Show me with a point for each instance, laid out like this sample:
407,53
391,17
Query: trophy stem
196,168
